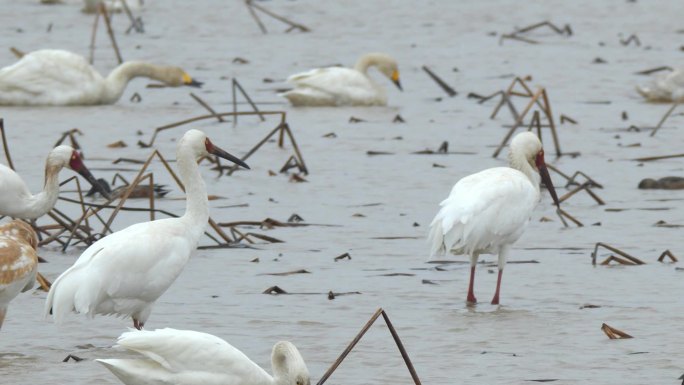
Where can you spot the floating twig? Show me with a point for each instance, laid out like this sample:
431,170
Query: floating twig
613,333
450,91
652,158
654,70
631,38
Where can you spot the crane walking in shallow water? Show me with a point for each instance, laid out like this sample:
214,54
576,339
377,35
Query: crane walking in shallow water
487,212
125,272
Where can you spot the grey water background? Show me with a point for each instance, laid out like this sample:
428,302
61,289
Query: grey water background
539,332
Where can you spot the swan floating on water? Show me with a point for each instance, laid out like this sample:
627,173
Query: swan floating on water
59,78
192,358
126,272
340,86
665,87
18,261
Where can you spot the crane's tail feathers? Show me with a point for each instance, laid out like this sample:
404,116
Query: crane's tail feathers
60,299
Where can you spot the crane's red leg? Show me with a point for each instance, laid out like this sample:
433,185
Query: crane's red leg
471,294
137,324
495,300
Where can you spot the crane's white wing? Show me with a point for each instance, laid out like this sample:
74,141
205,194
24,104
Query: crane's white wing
182,353
483,211
119,272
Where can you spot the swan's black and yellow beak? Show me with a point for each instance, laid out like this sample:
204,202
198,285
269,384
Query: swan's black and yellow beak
189,81
395,80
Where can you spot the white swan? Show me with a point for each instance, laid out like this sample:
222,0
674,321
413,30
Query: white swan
339,86
665,87
59,78
17,201
18,261
192,358
125,272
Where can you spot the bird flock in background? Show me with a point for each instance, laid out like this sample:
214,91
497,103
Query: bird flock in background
124,273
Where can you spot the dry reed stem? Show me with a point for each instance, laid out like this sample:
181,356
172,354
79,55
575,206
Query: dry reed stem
594,254
450,91
110,32
358,337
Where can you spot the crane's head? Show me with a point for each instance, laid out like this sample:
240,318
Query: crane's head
65,156
201,145
530,146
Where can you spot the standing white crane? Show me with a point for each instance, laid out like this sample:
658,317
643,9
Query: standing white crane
125,272
487,212
17,201
193,358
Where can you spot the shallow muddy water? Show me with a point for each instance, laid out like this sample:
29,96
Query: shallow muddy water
539,332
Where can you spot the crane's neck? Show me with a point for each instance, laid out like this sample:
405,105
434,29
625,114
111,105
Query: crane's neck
520,163
119,77
196,202
39,204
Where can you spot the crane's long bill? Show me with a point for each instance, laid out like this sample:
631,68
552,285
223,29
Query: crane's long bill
91,179
546,178
223,154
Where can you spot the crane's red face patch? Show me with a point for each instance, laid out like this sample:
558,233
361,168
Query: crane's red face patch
209,146
539,160
75,162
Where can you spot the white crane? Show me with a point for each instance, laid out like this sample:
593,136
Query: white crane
340,86
193,358
52,77
17,201
125,272
487,212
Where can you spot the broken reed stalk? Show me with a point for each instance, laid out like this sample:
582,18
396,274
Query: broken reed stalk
207,107
358,337
667,253
585,187
662,120
562,214
613,333
4,144
571,180
292,24
594,254
134,22
236,85
651,158
450,91
203,117
561,31
107,20
91,57
255,17
43,282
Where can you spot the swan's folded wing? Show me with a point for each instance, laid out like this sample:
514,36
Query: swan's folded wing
47,71
336,80
187,350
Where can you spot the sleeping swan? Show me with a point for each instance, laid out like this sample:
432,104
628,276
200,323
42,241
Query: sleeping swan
193,358
340,86
61,78
665,87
